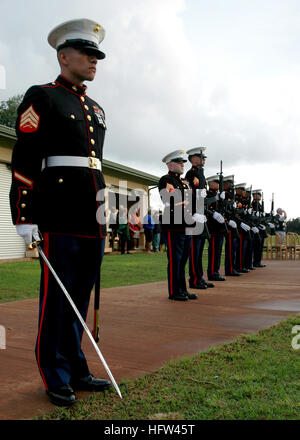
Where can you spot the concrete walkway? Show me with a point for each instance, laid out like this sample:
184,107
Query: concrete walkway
141,329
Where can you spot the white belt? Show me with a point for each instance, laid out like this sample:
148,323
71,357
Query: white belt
72,161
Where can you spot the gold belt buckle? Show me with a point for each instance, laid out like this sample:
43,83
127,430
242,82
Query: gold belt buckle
93,162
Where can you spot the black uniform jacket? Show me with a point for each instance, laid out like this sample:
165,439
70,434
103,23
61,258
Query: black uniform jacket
196,180
242,216
58,119
180,203
261,220
214,226
230,213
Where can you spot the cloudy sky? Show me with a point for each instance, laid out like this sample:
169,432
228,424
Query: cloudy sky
179,74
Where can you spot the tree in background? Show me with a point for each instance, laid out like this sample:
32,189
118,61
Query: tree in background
8,110
293,225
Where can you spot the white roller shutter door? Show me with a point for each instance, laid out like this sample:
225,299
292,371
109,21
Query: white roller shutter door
11,245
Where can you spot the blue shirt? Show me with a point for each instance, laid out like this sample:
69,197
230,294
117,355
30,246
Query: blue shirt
148,222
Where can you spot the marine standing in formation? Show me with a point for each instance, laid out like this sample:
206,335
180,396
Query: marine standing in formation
217,229
232,237
196,179
243,228
56,175
174,225
260,232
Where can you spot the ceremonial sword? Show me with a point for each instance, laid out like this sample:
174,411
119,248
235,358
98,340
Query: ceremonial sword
41,252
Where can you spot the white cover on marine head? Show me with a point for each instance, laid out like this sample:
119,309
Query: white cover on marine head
82,28
240,185
257,191
177,154
211,178
196,150
228,178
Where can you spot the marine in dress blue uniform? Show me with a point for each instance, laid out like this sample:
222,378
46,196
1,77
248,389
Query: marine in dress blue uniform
244,228
251,220
196,179
216,226
56,176
232,237
174,226
259,237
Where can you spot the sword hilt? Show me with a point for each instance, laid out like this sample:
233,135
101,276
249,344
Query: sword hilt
35,243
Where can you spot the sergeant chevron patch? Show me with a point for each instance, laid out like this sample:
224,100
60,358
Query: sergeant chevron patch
170,188
29,121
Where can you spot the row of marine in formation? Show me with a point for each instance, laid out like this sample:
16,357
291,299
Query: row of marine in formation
201,211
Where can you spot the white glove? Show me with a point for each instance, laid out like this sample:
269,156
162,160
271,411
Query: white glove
257,214
222,195
234,205
232,223
218,217
250,211
245,211
199,218
281,218
262,227
203,192
30,233
245,227
272,225
255,230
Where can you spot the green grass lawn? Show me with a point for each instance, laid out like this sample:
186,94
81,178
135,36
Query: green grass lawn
20,280
255,377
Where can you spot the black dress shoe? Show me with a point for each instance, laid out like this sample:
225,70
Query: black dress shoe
259,265
209,284
198,286
62,396
234,273
251,268
90,383
190,295
245,270
217,278
178,297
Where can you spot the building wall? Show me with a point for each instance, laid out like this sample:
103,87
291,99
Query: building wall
5,154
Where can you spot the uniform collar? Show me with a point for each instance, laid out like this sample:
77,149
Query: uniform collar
75,88
171,173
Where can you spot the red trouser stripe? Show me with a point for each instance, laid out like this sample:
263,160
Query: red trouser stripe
230,255
170,263
241,251
46,282
193,262
213,256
